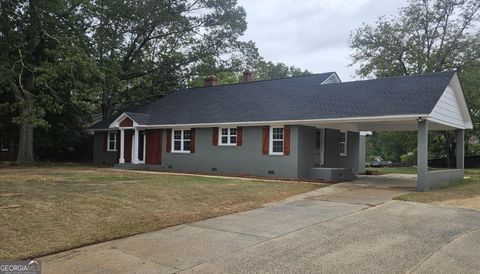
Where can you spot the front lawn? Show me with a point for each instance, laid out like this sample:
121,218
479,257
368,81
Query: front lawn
50,209
464,193
387,170
399,170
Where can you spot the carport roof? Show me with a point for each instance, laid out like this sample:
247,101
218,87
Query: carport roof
297,99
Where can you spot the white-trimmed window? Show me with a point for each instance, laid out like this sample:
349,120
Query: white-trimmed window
112,141
181,140
228,136
343,143
276,140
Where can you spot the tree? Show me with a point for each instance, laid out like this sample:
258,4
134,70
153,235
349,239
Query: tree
471,86
60,60
269,70
147,48
42,65
247,58
427,36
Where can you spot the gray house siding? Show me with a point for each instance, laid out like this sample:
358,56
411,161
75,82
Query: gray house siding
248,159
306,150
100,154
244,159
362,153
334,164
333,158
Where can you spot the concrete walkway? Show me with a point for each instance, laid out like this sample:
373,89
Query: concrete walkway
344,228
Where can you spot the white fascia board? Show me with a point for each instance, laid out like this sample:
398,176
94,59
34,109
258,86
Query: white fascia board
386,118
442,122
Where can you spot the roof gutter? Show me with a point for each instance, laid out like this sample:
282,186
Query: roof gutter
291,122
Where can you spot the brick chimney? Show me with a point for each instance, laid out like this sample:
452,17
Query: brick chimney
211,80
247,76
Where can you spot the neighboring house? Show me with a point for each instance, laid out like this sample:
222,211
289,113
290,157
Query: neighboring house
299,128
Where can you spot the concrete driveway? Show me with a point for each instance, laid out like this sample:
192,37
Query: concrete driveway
344,228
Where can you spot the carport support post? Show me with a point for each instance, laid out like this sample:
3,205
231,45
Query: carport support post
460,148
422,155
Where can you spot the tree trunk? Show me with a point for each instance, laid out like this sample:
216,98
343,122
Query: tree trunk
108,106
450,148
25,144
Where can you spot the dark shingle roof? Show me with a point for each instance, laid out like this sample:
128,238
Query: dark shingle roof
104,124
299,98
139,118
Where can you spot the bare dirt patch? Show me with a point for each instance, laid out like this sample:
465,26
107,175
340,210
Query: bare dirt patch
468,203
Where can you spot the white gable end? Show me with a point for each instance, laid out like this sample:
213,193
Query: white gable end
448,109
451,108
332,79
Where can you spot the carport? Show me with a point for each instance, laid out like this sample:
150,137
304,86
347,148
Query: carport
446,111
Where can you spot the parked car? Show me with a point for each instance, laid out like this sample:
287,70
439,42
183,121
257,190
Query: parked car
379,162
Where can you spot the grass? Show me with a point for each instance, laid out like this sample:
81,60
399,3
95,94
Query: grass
387,170
464,193
400,170
49,209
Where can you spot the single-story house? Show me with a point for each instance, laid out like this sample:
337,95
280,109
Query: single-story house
303,127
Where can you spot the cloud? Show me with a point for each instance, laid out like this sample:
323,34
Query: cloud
311,34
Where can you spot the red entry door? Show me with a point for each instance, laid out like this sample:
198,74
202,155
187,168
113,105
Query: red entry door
128,146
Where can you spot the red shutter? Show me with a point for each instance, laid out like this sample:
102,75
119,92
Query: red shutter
105,141
265,140
215,136
286,140
150,146
239,136
192,140
169,140
160,143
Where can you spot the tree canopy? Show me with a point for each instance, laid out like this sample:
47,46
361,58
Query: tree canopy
63,61
426,36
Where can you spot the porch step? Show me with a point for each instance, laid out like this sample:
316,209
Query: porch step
331,174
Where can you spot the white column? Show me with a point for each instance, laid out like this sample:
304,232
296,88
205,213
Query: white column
135,147
121,160
144,146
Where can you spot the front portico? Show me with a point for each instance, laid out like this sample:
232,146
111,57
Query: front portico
132,141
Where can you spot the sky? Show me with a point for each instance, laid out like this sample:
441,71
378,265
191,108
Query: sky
311,34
